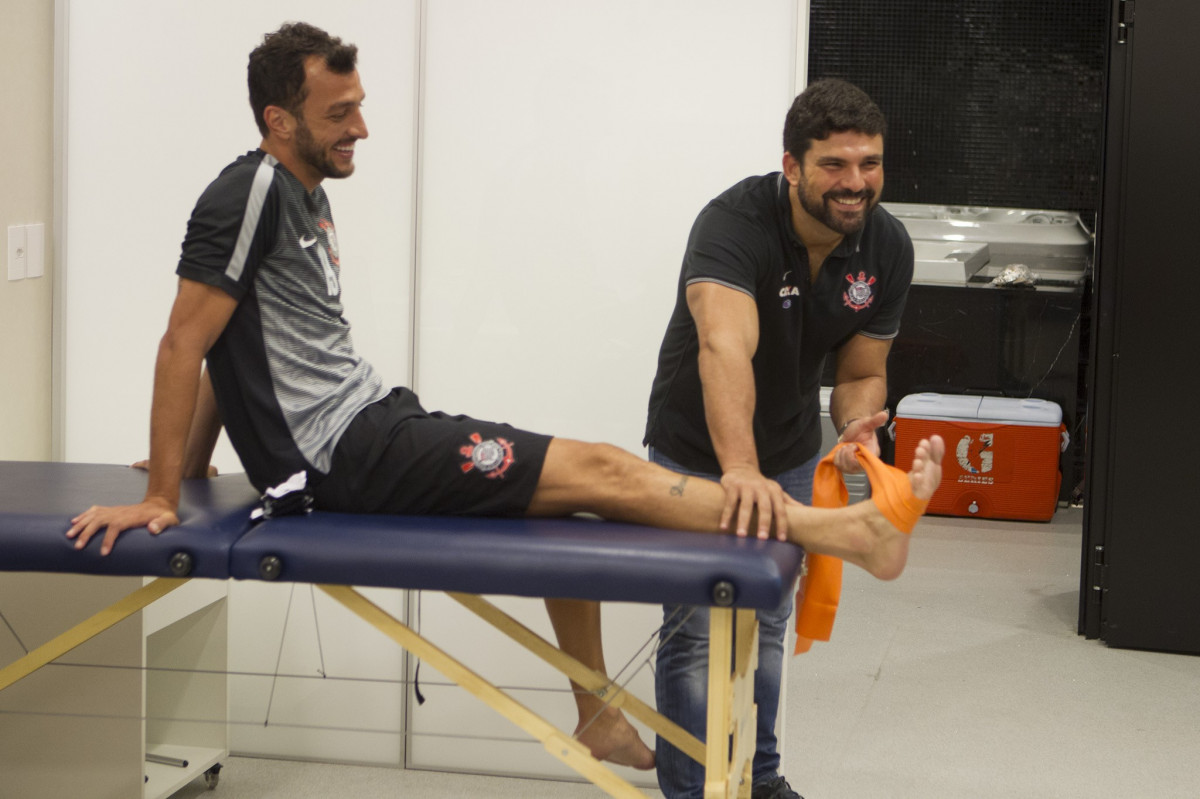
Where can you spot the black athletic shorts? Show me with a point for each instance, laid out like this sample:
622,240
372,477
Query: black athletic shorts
396,457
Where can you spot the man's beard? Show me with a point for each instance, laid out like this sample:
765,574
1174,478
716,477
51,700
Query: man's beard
822,211
312,154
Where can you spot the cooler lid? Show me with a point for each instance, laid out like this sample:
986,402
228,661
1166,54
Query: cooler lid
931,405
1020,411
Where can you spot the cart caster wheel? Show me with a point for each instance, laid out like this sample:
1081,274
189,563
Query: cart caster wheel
212,776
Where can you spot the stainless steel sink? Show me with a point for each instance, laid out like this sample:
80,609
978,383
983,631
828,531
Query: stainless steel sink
1026,232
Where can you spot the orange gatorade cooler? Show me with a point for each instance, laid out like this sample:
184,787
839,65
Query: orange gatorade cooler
1001,454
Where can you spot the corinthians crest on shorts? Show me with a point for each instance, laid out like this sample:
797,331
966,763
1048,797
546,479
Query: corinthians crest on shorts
860,294
491,457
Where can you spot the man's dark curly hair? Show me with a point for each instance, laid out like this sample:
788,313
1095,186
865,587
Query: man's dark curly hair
276,70
829,106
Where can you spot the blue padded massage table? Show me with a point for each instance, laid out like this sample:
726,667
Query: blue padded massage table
571,558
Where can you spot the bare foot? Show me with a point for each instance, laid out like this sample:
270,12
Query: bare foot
612,738
885,551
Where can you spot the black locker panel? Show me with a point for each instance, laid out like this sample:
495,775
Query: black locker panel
989,102
1143,537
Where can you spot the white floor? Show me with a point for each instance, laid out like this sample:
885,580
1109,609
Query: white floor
963,679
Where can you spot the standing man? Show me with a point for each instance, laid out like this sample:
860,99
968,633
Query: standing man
259,303
779,271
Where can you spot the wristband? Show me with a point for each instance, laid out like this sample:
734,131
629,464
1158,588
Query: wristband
847,423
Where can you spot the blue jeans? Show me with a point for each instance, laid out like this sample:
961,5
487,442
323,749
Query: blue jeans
681,670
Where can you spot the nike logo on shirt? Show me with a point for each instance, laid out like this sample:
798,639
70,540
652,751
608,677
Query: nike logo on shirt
307,241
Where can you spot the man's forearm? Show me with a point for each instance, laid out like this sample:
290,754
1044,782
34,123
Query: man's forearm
176,382
205,429
857,399
729,399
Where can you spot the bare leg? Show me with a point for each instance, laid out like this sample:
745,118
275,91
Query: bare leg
608,734
614,484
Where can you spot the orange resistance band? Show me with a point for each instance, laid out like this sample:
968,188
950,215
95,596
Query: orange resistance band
821,587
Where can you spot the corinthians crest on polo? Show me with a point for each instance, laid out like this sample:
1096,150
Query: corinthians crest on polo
860,294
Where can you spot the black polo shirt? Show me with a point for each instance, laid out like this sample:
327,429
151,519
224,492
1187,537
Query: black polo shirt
744,239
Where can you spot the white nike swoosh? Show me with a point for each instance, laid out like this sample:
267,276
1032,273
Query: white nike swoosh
307,241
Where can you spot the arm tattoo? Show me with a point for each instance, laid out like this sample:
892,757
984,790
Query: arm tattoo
677,490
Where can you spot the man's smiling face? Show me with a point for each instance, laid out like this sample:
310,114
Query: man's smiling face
841,179
330,120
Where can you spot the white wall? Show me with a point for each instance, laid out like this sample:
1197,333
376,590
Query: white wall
26,196
562,150
566,150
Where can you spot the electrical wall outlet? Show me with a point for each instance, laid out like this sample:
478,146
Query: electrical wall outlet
18,254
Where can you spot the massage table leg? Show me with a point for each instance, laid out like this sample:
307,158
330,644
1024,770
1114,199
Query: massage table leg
732,718
569,751
591,680
87,629
733,658
731,697
745,712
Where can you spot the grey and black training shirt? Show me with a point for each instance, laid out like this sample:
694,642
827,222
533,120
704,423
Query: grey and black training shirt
285,374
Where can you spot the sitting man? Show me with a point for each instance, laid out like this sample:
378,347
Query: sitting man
259,301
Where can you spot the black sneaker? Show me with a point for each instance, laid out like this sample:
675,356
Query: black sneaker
777,788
